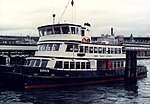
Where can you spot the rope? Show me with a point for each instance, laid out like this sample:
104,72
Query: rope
64,11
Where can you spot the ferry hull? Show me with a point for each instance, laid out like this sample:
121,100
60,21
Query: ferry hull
28,78
57,82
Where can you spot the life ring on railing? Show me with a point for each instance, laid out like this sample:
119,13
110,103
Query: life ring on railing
86,40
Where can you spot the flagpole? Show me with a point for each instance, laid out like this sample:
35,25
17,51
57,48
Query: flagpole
72,3
72,14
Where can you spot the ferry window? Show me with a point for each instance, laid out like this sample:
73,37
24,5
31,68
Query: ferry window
40,47
44,47
65,30
73,30
44,63
115,65
49,47
88,65
49,31
104,50
119,50
43,32
82,65
82,33
37,63
81,48
95,49
123,50
66,65
72,65
115,50
118,64
57,30
112,50
69,48
100,49
32,62
58,64
27,62
108,51
77,65
75,48
77,31
91,50
122,64
56,47
86,49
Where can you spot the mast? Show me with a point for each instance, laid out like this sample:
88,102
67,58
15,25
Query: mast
72,3
64,11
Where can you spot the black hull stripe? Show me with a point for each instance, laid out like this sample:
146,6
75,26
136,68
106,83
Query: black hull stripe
79,83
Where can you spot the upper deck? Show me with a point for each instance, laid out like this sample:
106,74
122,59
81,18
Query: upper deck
62,32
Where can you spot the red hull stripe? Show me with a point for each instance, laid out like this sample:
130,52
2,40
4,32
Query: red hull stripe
142,76
80,83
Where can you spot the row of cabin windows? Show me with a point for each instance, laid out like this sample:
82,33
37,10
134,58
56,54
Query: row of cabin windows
88,49
49,47
36,63
72,65
117,64
62,30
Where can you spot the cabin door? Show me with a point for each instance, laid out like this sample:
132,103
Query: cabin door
101,64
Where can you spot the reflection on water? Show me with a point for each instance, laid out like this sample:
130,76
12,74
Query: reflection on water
89,94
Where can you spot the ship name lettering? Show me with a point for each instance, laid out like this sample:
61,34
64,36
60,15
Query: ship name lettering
109,56
44,70
101,56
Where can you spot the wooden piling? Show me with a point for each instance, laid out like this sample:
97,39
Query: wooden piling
130,74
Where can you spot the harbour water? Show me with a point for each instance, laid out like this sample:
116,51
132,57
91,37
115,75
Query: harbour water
89,94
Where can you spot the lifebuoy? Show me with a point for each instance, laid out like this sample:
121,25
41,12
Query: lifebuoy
86,40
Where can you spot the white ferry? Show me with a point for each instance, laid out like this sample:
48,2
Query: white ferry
66,56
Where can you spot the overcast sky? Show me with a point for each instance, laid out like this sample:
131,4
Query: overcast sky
22,17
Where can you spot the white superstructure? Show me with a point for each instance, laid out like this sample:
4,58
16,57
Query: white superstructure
69,47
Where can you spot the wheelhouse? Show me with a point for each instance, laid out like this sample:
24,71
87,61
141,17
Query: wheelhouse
61,29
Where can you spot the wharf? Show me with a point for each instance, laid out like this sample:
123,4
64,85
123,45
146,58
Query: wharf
14,49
